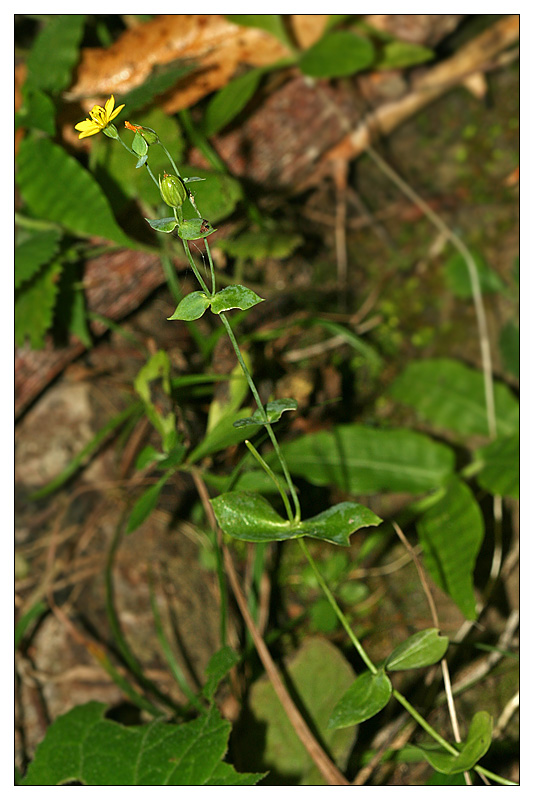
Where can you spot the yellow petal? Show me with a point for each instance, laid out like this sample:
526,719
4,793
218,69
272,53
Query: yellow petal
109,106
117,111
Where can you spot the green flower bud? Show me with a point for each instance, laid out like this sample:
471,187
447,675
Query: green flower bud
172,190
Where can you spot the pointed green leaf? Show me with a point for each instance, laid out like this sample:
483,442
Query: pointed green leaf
163,225
139,145
450,395
33,252
273,410
337,54
337,523
230,100
500,473
55,52
476,745
363,460
451,533
420,650
191,307
234,297
398,55
218,667
84,746
145,505
223,435
366,697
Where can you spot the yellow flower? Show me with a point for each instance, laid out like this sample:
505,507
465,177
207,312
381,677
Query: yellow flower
100,119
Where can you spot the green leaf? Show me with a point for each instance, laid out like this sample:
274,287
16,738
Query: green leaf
420,650
476,745
272,23
218,667
191,307
338,54
84,746
223,435
230,100
451,533
145,505
217,195
36,112
34,306
450,395
234,297
250,517
457,276
261,244
319,675
56,187
500,473
397,55
368,695
161,78
157,370
33,252
55,52
273,410
509,347
190,229
363,460
163,225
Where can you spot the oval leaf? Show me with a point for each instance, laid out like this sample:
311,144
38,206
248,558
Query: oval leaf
191,307
420,650
234,297
163,225
249,517
337,54
366,697
476,745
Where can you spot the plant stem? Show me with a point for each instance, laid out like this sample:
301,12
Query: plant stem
271,475
261,409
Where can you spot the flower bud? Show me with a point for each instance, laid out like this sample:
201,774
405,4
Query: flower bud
172,190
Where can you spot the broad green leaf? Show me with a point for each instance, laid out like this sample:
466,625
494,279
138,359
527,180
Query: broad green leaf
261,244
57,188
34,306
55,52
234,297
190,229
272,23
363,460
509,347
420,650
366,697
476,745
457,276
217,196
84,746
230,100
191,307
145,505
319,675
163,225
250,517
397,55
273,411
218,667
37,111
451,533
33,252
338,54
450,395
500,473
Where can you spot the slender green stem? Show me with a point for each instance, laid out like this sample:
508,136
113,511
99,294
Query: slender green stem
261,409
424,724
194,267
271,475
340,615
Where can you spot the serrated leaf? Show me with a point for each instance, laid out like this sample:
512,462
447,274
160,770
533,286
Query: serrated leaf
273,410
33,252
420,650
476,745
230,100
368,695
191,307
251,518
234,297
500,473
55,52
34,306
363,460
84,746
450,395
57,188
451,533
338,54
